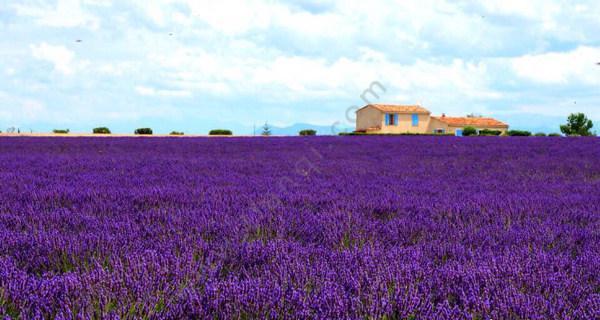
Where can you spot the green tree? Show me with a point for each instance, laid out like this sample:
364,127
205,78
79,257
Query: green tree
577,125
101,130
488,132
266,130
220,132
143,131
518,133
308,132
469,131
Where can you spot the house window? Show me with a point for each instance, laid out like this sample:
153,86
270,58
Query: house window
391,119
415,120
439,131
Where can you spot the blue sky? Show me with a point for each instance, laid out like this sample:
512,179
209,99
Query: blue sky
195,65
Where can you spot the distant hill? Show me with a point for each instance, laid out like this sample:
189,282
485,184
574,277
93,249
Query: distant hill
534,122
295,128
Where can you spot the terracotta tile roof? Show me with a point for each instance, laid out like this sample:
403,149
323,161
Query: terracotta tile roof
469,121
398,108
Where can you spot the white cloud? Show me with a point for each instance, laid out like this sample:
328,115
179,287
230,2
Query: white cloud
16,109
275,77
533,9
147,91
32,108
61,58
66,13
452,56
559,108
99,3
576,66
234,17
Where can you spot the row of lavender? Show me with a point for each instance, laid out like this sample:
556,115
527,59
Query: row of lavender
331,227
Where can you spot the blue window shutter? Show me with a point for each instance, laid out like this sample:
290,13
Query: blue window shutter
387,119
415,120
397,119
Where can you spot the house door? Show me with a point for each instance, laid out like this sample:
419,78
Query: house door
458,132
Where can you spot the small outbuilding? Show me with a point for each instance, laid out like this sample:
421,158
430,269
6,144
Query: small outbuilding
384,118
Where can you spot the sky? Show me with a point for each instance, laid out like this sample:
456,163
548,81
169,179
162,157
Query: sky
193,65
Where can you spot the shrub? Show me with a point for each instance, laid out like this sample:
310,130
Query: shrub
101,130
555,135
220,132
469,131
540,134
488,132
176,133
60,131
143,131
308,132
518,133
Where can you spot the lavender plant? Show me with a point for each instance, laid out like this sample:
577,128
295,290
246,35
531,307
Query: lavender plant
380,228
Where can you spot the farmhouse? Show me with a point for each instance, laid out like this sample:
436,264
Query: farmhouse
383,118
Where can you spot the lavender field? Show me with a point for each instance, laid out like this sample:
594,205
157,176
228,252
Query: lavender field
300,228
